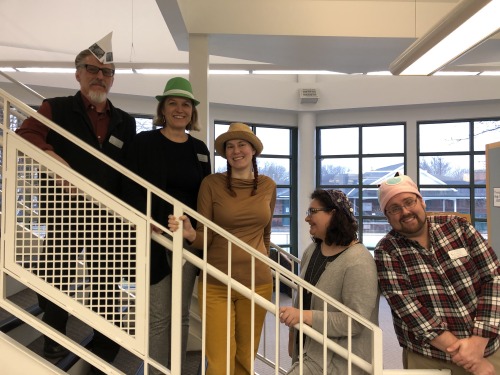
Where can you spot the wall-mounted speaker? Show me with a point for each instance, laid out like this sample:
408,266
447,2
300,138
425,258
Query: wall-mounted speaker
308,96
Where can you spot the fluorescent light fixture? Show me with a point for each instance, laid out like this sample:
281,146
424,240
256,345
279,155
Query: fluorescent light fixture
124,71
490,73
6,69
163,71
451,73
318,72
47,70
466,26
228,72
381,73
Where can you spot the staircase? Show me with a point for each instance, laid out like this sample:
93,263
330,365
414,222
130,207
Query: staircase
24,168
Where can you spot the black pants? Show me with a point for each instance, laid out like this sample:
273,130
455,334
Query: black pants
78,231
57,318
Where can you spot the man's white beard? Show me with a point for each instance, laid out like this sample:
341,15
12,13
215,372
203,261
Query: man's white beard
97,96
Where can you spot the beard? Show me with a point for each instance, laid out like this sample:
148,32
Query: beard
415,228
97,96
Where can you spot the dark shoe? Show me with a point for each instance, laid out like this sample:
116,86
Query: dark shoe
54,350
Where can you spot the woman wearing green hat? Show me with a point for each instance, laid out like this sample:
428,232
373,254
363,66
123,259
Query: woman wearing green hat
150,156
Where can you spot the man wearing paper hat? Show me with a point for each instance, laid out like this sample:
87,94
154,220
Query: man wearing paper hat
90,116
102,49
442,282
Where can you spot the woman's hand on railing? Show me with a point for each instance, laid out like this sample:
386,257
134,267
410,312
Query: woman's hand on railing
189,233
290,316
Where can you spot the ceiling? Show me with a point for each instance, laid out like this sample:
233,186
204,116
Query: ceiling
349,37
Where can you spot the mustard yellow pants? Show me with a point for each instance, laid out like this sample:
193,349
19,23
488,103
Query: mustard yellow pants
241,353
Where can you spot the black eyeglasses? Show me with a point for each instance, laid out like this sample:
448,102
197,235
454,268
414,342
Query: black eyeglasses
106,72
312,211
407,203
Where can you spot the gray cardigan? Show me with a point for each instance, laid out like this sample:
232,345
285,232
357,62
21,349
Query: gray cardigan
352,280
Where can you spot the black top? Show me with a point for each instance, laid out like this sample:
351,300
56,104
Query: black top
177,169
316,267
70,113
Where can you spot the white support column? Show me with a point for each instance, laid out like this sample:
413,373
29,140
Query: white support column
306,174
198,76
306,161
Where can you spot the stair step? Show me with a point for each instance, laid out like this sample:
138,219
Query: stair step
25,299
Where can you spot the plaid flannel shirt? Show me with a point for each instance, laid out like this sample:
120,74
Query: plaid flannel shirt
453,286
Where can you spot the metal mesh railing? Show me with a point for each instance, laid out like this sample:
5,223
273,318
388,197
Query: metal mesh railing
72,243
88,249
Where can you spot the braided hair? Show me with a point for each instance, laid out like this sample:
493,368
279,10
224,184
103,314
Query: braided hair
255,178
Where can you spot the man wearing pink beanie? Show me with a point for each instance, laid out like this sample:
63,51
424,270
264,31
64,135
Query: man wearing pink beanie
442,282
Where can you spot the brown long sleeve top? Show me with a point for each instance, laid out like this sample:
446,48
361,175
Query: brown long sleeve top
245,216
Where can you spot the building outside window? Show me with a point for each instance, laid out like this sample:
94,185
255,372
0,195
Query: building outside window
355,159
143,123
452,166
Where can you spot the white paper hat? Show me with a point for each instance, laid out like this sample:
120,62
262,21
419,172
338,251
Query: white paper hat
102,49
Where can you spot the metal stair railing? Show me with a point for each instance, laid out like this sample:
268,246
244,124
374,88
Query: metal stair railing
25,169
23,166
375,367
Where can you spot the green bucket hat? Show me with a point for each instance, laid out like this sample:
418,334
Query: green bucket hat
178,86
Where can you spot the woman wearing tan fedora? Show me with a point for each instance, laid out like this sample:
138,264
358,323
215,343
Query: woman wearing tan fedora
150,156
242,202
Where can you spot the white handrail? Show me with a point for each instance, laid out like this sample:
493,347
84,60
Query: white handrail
29,89
143,221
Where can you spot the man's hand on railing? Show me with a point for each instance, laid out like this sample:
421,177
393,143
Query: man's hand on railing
468,352
189,233
155,229
483,367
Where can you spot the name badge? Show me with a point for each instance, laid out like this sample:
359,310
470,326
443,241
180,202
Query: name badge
457,253
202,158
115,141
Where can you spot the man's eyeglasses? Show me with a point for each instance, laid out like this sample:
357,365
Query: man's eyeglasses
407,203
312,211
106,72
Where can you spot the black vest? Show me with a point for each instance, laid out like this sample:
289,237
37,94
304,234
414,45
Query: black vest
70,113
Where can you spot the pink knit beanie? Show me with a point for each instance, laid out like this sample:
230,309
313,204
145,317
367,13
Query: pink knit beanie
394,186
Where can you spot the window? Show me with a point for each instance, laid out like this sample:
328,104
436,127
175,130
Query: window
143,123
278,161
452,166
355,159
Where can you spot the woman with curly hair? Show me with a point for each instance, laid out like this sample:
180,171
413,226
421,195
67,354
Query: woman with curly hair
340,266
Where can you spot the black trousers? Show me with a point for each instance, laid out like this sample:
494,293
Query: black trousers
78,231
57,318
